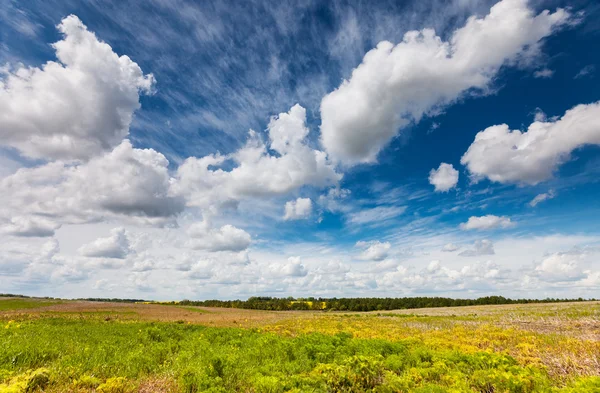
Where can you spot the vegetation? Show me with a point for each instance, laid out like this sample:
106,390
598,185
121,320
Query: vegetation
521,349
24,303
360,304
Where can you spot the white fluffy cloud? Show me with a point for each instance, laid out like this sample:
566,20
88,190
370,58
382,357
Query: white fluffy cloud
298,209
293,267
395,85
115,246
444,178
126,182
530,157
226,238
258,173
561,266
486,222
374,251
75,108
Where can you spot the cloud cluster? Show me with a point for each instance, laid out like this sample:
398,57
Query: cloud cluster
133,184
256,172
532,156
397,84
75,108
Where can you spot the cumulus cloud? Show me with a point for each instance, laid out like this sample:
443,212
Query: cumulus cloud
444,178
29,227
293,267
486,223
75,108
480,247
374,251
226,238
115,246
542,197
298,209
532,156
126,182
561,266
450,247
395,85
257,173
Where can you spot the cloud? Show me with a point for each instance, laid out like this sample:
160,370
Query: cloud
486,223
226,238
333,200
293,267
298,209
375,251
539,115
29,227
257,173
532,156
75,108
126,182
480,247
396,85
434,266
444,178
542,197
585,71
115,246
561,266
544,73
450,247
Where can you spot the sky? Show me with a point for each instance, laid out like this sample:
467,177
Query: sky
176,149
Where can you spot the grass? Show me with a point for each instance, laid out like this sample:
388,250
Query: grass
300,351
10,304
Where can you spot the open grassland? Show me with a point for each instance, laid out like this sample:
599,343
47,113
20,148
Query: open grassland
75,346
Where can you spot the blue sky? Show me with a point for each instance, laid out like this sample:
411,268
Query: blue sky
190,149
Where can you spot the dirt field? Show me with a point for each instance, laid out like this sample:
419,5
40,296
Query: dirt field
581,320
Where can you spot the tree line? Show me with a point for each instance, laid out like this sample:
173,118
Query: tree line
360,304
334,304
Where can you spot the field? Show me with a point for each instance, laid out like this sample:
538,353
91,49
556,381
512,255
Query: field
76,346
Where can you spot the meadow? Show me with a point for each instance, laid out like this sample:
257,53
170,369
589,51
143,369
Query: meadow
78,346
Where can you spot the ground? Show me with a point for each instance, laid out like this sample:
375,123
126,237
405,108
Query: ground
78,346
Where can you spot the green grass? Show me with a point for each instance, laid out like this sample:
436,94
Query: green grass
18,304
114,356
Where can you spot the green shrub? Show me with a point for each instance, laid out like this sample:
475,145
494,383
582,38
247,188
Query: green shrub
28,382
87,382
115,385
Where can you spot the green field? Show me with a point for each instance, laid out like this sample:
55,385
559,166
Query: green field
85,347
